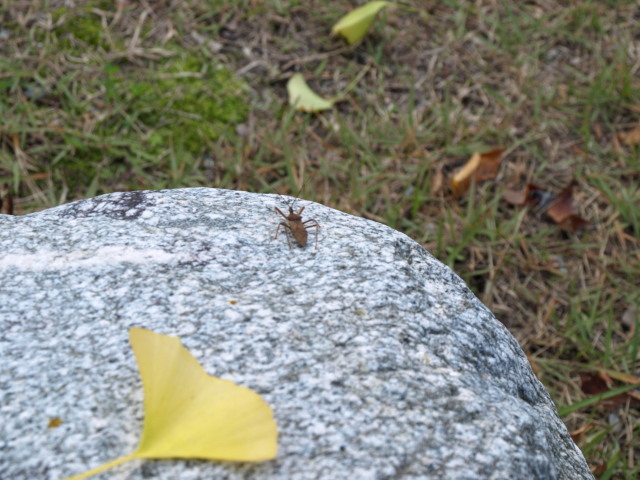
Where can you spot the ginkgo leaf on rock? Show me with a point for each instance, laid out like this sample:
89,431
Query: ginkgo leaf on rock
190,414
303,98
355,24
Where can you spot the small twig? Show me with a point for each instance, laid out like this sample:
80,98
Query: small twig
311,58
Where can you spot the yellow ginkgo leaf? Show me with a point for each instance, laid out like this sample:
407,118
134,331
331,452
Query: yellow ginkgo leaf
481,166
354,25
303,98
190,414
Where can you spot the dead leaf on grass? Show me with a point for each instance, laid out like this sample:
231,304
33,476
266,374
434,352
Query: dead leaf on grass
355,24
623,377
303,98
598,469
437,181
573,223
481,166
562,211
630,137
596,383
524,197
593,383
560,208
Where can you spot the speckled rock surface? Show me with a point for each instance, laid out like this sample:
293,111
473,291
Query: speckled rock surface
378,361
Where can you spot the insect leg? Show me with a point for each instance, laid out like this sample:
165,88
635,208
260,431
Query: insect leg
315,225
282,224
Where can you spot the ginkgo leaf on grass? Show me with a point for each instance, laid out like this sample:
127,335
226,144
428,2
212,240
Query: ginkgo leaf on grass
355,24
190,414
481,166
303,98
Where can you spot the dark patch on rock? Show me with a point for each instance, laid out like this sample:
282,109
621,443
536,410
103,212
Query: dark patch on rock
119,206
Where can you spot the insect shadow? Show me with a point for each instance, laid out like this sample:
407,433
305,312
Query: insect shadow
295,225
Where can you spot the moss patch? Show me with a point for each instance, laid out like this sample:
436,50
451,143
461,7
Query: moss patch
186,102
170,112
99,117
81,28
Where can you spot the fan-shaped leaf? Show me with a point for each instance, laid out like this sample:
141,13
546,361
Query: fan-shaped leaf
303,98
190,414
481,166
355,24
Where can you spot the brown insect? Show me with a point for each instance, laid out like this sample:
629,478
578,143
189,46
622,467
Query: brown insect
296,226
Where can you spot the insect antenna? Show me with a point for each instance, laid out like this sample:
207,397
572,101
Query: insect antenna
291,203
296,197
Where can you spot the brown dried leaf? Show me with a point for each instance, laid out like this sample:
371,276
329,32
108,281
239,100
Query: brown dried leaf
528,196
516,197
618,401
630,137
461,180
562,211
601,382
594,383
597,131
562,206
558,207
481,166
489,165
634,397
437,181
623,377
615,143
573,223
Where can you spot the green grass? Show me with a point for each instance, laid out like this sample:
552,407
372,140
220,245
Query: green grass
100,112
96,100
